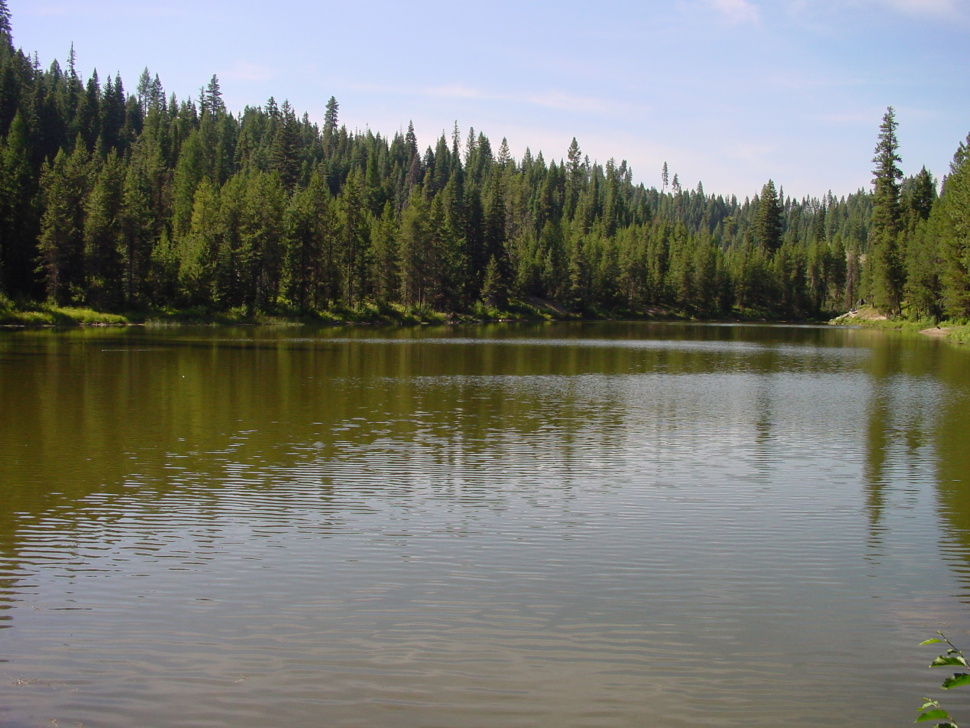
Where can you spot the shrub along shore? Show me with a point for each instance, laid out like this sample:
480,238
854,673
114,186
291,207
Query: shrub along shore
387,314
368,314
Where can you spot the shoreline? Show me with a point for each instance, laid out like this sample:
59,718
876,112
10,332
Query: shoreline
868,317
531,310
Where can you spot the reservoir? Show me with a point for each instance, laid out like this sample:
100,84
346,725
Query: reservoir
579,525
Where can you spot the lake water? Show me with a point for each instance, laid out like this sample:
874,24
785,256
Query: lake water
550,525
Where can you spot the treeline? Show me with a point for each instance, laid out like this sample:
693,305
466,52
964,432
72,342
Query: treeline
918,254
128,201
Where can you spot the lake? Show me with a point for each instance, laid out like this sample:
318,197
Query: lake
602,524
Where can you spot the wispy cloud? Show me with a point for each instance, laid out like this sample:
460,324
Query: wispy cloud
958,10
246,71
750,152
931,8
567,102
736,11
456,91
854,118
801,81
551,99
106,9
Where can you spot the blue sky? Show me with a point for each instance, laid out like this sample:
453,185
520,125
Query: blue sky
729,93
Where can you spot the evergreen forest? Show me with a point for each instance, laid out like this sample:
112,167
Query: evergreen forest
138,201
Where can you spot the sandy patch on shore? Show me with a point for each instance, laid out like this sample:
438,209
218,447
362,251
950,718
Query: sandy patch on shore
866,313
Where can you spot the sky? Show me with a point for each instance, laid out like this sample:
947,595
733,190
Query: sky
729,93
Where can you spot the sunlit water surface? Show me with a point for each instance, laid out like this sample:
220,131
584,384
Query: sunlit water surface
557,525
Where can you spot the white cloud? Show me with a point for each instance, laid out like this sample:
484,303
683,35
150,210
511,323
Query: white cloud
246,71
958,10
565,102
556,100
852,118
104,10
455,91
549,99
737,11
932,8
752,153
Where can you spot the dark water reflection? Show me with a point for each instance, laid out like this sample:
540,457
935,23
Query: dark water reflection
557,525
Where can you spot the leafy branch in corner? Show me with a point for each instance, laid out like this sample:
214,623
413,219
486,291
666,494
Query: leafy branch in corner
931,710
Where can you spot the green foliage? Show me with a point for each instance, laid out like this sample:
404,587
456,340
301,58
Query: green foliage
310,238
64,188
954,230
138,202
494,290
768,219
924,285
953,657
888,276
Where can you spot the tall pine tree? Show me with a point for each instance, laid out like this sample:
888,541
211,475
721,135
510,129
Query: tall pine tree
886,274
768,218
954,219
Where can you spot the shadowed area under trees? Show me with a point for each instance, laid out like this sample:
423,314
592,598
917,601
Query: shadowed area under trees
139,201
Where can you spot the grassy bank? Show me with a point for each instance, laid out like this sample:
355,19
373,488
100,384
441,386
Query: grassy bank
370,313
373,313
952,332
59,316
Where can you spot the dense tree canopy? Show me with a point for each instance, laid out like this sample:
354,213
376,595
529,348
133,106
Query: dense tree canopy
135,201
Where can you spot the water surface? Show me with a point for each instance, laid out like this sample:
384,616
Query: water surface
552,525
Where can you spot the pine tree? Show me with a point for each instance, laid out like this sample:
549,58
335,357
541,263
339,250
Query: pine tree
18,214
887,274
442,273
102,237
64,187
414,242
88,114
330,120
954,231
411,142
197,249
310,228
6,34
466,277
494,237
286,148
494,290
924,287
144,84
112,117
574,179
138,231
472,213
210,98
504,158
750,274
920,251
767,225
263,240
919,195
705,269
555,265
188,174
384,256
353,240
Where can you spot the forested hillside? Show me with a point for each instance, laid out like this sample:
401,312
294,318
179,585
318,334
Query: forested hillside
127,201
